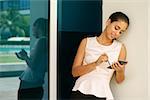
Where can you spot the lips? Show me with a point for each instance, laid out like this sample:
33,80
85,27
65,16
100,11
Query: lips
112,36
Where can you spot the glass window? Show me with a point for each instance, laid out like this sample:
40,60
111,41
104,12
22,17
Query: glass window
14,33
16,24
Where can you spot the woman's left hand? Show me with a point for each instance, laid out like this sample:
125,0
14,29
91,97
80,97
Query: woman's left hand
118,67
22,55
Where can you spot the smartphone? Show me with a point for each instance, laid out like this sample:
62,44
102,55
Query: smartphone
109,67
122,62
17,54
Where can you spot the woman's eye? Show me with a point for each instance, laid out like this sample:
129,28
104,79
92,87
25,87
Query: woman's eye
116,28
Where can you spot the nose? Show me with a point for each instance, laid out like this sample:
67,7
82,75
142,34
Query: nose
116,33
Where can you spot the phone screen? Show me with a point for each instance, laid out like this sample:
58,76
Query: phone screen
122,62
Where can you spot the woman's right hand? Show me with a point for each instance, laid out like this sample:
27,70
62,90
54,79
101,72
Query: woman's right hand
102,58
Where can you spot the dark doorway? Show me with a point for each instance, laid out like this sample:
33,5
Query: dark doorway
76,20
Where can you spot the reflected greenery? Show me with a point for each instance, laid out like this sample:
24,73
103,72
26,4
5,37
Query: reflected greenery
13,24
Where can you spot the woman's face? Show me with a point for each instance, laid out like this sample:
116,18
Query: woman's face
36,32
115,29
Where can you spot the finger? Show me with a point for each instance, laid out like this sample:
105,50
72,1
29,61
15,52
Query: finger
121,66
105,59
113,67
117,66
104,54
17,55
118,63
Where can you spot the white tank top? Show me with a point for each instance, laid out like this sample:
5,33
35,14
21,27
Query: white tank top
97,81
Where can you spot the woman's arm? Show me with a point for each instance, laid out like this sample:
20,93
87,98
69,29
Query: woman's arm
78,68
120,69
37,53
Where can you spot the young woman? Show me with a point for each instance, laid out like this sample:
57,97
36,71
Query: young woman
32,79
93,57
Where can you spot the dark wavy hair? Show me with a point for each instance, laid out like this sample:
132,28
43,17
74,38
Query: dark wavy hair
42,24
119,16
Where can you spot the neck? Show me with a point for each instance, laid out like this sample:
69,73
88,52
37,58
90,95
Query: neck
103,39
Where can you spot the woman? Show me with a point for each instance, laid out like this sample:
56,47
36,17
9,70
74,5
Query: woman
32,79
93,57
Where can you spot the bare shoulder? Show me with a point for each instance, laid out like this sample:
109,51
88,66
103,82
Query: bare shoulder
80,53
84,40
83,43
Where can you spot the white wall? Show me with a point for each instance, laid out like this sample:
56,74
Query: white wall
135,86
148,49
137,83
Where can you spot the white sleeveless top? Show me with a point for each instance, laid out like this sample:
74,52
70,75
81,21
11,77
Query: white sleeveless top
97,81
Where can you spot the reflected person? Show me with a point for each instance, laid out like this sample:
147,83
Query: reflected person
32,79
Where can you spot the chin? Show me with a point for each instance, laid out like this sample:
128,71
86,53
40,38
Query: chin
110,38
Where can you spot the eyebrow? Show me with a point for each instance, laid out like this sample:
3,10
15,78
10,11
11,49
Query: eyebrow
120,28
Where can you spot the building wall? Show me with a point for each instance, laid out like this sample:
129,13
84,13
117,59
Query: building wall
148,49
135,86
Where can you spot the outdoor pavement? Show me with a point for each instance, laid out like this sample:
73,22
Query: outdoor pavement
9,81
8,88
